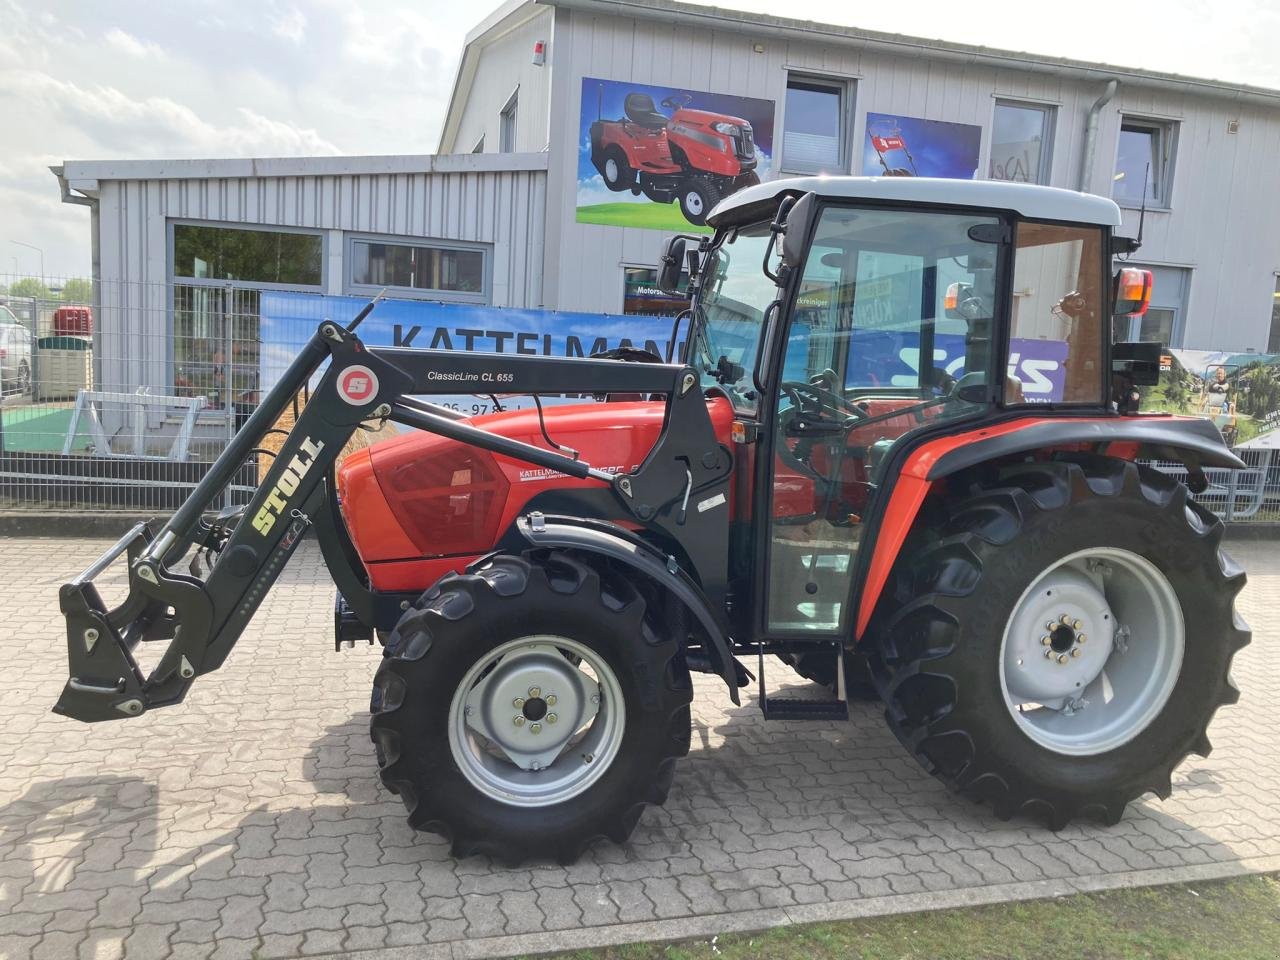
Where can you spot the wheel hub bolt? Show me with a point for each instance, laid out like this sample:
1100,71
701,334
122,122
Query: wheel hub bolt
518,719
535,728
535,693
595,698
1075,652
1045,640
1076,624
551,718
1081,638
1062,658
1066,619
551,699
518,703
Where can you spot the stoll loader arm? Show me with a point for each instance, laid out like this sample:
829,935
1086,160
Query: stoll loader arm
237,556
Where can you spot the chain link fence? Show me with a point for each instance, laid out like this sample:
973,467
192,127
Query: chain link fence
117,397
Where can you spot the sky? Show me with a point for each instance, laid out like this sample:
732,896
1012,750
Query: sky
93,80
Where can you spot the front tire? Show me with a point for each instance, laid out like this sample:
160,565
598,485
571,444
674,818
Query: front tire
602,717
1137,660
617,173
698,197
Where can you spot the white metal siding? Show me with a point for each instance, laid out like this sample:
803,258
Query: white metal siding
502,208
502,65
1225,219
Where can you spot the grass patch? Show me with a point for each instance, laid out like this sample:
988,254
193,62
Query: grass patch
1224,920
647,216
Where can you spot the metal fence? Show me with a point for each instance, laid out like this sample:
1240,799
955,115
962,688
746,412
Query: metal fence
119,400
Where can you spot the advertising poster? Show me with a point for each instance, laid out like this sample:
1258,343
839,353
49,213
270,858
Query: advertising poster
1240,392
288,319
661,158
910,147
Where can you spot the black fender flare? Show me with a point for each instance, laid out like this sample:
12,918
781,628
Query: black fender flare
616,543
1193,440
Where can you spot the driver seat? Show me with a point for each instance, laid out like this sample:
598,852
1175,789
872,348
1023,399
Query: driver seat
641,111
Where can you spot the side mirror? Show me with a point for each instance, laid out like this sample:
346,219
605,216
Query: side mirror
670,265
1132,292
796,229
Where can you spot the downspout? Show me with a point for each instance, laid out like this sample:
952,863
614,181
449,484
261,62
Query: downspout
1091,133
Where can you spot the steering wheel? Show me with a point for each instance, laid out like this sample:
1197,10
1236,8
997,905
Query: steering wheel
822,397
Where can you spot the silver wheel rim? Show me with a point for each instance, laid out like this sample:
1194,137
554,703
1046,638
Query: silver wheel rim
530,727
611,170
1092,651
693,201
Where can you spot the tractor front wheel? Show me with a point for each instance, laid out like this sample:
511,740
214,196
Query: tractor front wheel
617,173
1061,641
530,706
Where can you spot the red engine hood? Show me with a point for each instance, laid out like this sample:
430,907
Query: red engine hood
423,496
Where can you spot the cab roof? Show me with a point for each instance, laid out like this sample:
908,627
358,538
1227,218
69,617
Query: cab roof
1027,200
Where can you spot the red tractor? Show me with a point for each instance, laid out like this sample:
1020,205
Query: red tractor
693,156
1048,622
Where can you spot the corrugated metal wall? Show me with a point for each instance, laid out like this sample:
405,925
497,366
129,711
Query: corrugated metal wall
1225,218
503,64
503,208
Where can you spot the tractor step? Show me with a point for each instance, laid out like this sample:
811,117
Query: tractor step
782,708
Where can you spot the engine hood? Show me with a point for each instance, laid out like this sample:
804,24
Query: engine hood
420,495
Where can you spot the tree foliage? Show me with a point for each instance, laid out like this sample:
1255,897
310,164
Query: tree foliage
78,290
28,287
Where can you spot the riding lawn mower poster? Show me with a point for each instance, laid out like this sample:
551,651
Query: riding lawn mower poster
910,147
660,158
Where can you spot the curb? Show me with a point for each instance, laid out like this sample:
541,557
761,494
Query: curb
683,928
90,523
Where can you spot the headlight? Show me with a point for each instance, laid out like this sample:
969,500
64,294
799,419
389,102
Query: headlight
728,129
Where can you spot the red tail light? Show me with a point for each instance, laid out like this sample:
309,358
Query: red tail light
448,498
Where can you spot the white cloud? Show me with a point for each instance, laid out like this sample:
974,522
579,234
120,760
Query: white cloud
130,45
290,25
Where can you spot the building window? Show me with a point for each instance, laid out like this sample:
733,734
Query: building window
814,128
642,298
479,147
1022,142
446,271
1273,341
250,256
218,275
507,125
1144,162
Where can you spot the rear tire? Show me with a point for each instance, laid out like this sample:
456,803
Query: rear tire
466,636
950,663
616,172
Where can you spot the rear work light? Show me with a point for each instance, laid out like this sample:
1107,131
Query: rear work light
1133,292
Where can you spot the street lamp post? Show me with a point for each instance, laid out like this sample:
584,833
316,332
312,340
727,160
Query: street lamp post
32,246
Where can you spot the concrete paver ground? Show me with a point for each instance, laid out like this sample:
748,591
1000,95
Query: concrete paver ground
249,821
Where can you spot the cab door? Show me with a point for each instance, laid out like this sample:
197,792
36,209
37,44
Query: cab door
871,352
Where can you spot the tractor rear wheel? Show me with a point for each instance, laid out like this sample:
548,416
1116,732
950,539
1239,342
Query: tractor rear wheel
1061,641
530,706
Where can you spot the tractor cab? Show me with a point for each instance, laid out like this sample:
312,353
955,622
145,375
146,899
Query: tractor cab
847,320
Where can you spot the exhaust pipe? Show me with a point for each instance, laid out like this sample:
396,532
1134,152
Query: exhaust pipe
1091,134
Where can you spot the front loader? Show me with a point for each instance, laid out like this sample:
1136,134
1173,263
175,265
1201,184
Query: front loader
900,452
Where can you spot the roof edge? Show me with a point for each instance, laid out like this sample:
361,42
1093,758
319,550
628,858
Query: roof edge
747,22
234,168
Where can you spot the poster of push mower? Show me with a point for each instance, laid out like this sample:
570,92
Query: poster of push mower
910,147
661,158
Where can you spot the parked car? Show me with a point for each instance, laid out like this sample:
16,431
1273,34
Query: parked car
15,355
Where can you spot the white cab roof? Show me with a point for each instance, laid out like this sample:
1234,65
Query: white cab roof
1027,200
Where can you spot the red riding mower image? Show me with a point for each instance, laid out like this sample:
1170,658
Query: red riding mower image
693,156
886,137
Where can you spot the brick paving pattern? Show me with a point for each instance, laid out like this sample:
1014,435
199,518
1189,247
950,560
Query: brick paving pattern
249,820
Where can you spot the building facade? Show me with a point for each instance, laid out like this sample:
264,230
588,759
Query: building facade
516,209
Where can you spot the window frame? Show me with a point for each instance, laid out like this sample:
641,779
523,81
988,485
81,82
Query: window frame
627,265
171,266
844,88
351,287
1165,151
1049,131
508,118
